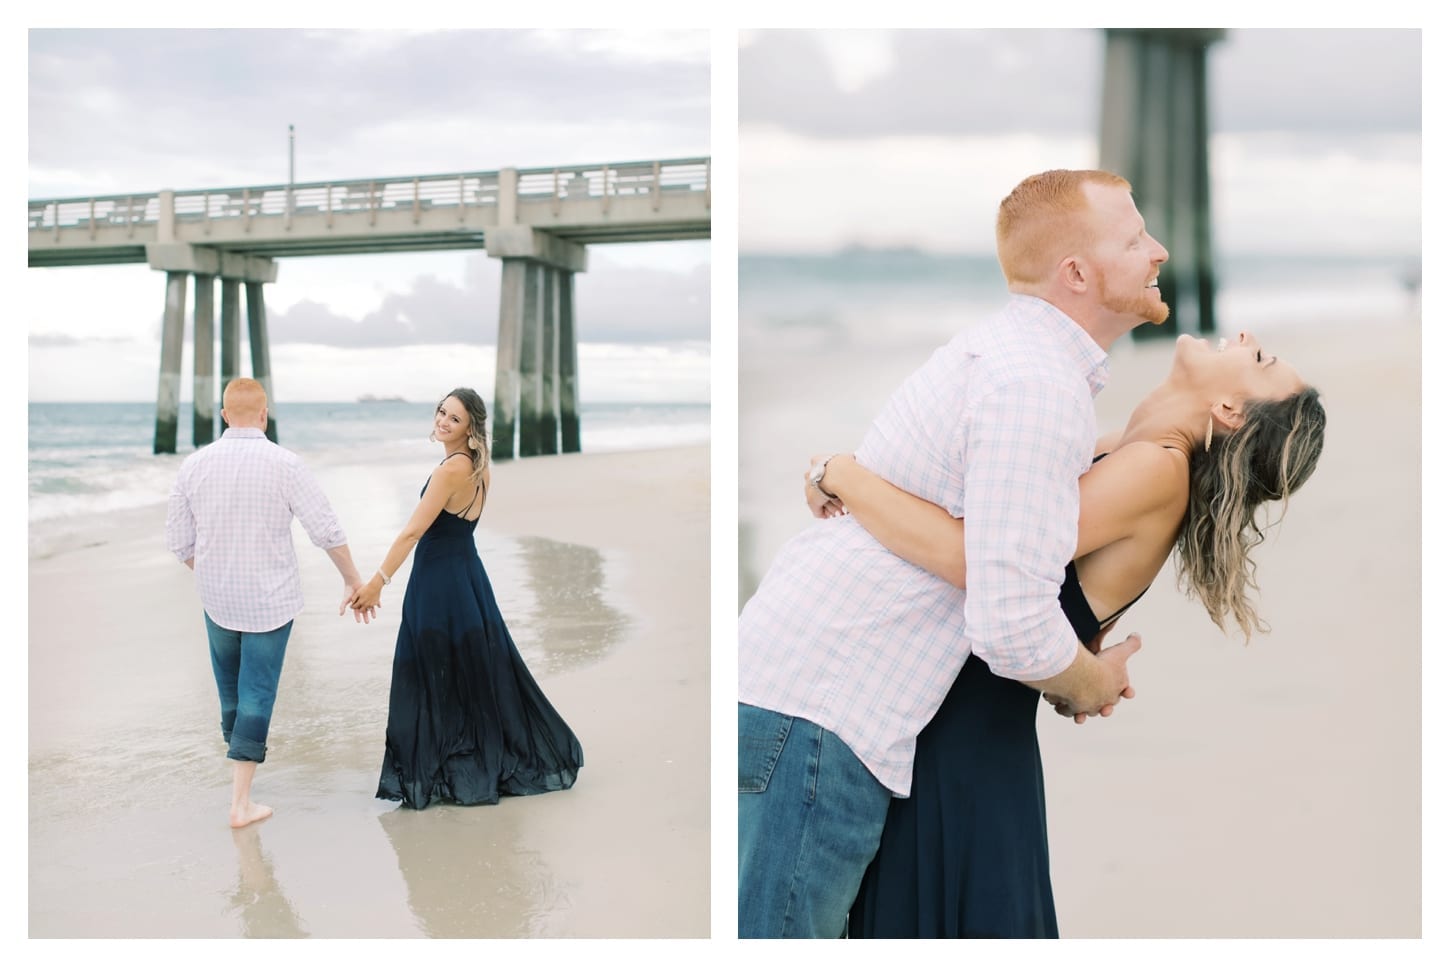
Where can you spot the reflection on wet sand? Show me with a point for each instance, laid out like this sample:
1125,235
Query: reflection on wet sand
467,876
572,623
263,908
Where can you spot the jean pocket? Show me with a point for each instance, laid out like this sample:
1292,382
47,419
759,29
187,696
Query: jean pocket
762,736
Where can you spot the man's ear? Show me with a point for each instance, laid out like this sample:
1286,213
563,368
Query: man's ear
1073,274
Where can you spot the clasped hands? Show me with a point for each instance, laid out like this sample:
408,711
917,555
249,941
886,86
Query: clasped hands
363,598
1117,654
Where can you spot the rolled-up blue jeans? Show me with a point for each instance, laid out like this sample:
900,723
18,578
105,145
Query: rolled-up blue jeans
247,666
810,820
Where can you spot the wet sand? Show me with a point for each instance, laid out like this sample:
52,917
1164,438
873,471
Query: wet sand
600,563
1267,791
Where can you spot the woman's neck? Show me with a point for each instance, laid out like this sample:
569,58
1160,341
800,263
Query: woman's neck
1169,416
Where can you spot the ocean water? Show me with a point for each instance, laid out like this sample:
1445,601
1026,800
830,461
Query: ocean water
824,340
96,457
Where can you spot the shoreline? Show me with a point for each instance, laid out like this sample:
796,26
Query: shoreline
62,533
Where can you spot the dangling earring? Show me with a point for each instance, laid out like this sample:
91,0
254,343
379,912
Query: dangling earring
472,443
1208,440
432,436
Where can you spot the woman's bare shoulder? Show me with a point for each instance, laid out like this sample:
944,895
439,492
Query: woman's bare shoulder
1145,451
1155,473
452,472
1137,485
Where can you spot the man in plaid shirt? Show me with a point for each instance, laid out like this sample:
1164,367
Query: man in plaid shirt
846,651
229,519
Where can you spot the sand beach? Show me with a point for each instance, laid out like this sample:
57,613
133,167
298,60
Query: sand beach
1267,791
1271,790
601,565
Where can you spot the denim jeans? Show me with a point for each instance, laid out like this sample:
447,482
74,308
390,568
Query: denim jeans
810,818
247,665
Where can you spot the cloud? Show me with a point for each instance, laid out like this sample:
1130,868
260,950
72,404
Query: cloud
363,104
1318,82
613,304
58,340
932,82
1048,82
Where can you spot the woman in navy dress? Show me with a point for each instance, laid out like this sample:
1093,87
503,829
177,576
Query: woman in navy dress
467,723
966,854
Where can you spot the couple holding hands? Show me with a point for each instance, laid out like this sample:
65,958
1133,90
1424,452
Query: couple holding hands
466,720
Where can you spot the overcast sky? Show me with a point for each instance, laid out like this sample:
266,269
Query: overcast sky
875,137
117,111
913,136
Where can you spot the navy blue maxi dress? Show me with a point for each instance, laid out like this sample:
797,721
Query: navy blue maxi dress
467,723
965,855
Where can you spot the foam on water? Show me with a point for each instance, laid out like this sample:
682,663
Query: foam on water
95,458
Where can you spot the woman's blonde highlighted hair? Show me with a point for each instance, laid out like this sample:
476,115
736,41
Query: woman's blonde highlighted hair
1268,458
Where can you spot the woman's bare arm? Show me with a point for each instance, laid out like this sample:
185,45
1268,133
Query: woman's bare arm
1115,495
911,528
442,486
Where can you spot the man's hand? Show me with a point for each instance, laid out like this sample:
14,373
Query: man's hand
367,597
1117,656
364,614
1060,706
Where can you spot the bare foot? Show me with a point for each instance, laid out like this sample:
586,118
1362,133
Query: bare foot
251,813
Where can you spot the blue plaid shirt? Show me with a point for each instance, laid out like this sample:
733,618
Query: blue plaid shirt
996,427
231,510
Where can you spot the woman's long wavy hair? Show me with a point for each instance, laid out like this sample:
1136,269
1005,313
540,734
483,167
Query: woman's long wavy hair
1268,458
478,442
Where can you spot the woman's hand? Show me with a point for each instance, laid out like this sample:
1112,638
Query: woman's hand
367,597
349,593
821,504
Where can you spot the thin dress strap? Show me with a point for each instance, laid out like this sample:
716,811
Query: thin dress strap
464,512
476,490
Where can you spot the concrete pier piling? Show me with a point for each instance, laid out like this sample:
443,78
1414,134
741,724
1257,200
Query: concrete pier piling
203,383
568,367
261,351
536,378
168,384
537,221
231,330
179,260
1155,133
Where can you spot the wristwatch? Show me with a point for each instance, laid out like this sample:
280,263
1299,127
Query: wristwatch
818,472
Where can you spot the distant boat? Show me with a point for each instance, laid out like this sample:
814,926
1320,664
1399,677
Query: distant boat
1410,278
856,249
370,398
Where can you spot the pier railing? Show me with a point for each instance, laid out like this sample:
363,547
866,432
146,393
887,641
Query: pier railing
462,191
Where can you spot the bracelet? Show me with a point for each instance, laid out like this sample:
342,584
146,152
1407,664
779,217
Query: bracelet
818,472
386,580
